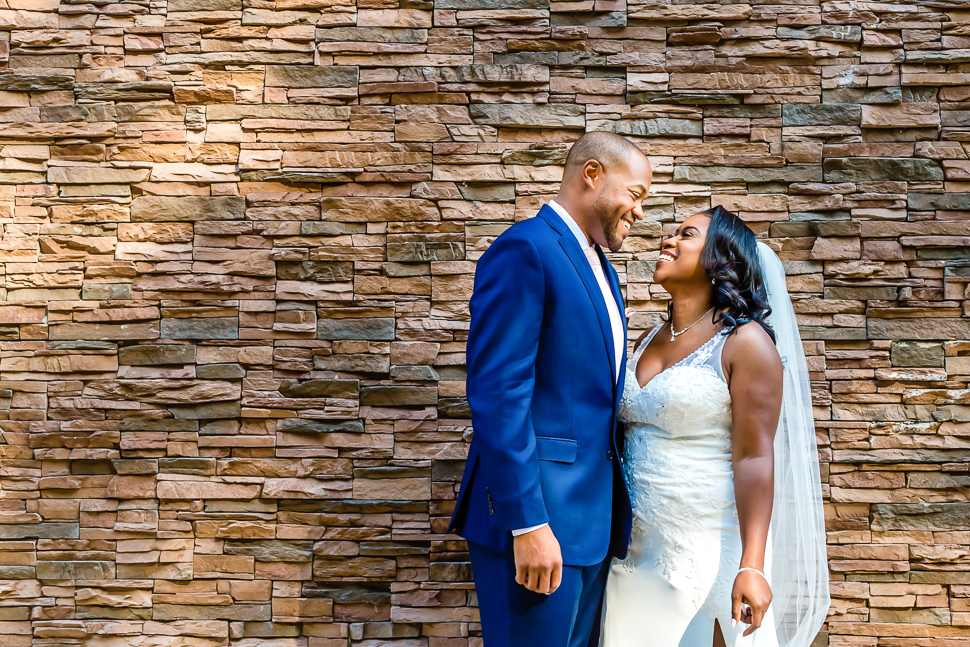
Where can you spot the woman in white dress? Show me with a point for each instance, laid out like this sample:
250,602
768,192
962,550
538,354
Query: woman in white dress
728,544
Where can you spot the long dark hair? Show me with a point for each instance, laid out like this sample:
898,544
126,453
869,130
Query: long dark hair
730,257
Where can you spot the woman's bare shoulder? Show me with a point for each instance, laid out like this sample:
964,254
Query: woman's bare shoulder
751,342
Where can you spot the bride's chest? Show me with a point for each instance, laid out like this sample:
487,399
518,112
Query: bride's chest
682,401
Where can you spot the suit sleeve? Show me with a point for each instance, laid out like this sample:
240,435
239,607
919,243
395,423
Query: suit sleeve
503,341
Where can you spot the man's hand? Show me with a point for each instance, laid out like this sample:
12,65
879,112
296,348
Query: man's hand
538,561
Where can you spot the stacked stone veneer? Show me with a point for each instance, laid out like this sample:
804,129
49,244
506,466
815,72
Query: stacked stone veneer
238,240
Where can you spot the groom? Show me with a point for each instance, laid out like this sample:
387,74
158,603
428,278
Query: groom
543,504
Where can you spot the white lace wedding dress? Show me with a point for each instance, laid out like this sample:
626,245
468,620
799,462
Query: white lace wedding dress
685,548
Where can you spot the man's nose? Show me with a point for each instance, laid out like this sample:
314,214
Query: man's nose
638,211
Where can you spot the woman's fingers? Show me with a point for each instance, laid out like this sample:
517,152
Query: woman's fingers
757,616
735,607
750,598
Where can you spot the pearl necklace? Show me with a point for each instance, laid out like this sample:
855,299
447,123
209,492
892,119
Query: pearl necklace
674,334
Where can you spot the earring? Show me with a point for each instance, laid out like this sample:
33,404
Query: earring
713,282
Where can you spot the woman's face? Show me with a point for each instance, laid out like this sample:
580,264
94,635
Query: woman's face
680,254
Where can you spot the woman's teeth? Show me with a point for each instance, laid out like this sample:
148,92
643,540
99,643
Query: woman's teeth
666,257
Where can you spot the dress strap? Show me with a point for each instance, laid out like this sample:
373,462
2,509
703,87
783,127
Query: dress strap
710,353
704,352
650,335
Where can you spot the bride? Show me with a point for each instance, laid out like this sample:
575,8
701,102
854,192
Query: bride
728,544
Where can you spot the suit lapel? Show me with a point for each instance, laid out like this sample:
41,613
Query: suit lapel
576,256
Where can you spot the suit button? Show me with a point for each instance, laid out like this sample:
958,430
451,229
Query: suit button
609,455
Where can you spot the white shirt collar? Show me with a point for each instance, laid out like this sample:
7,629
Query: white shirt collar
572,224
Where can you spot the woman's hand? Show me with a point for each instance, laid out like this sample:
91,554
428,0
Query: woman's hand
752,589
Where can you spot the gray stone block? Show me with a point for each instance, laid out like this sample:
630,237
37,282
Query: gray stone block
867,169
390,396
155,354
320,388
919,329
187,208
938,201
200,328
374,328
821,114
917,354
272,550
220,371
748,174
558,115
311,76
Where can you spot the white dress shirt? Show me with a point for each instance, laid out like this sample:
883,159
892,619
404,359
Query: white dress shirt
616,322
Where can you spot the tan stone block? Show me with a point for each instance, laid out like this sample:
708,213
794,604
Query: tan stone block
413,353
297,609
759,202
22,314
393,489
417,132
289,571
194,490
213,630
113,598
292,488
223,565
131,487
836,248
260,159
252,591
193,172
205,95
234,529
393,18
904,115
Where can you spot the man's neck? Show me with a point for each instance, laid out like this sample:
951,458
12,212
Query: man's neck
565,203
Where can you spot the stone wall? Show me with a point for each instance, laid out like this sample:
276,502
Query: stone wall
239,236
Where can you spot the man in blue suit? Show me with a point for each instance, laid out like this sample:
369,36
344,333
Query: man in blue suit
543,504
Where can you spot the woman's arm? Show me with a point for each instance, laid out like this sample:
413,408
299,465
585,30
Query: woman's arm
755,376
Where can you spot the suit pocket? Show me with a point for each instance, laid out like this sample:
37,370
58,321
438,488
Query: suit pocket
560,450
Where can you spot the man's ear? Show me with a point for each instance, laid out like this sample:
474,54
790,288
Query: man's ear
592,171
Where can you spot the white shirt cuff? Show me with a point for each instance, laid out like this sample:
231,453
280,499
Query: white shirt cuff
522,531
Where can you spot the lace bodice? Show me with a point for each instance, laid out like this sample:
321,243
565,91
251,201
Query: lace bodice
687,398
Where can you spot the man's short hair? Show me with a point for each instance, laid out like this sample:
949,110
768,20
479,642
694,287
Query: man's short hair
606,148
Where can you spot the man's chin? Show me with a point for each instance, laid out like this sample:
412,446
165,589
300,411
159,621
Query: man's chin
614,243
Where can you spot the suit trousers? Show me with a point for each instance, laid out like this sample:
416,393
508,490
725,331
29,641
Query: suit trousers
513,616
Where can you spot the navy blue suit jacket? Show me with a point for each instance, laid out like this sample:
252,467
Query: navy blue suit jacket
542,390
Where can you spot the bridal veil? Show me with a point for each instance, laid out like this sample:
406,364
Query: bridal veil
797,568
